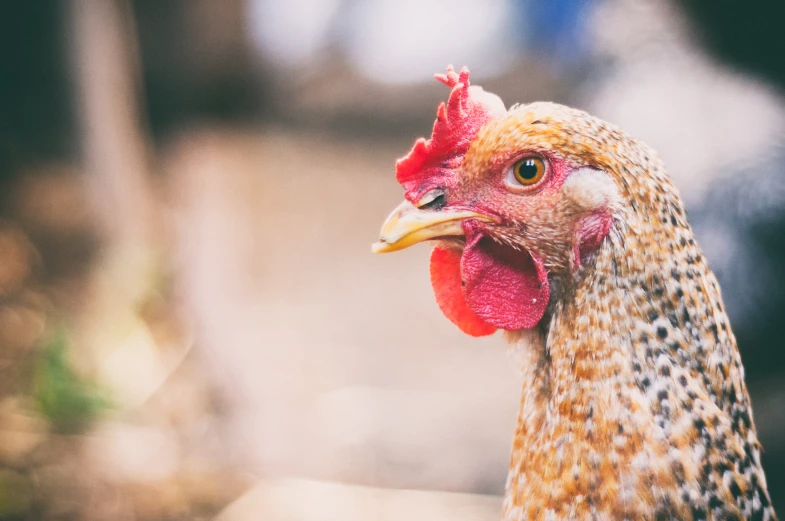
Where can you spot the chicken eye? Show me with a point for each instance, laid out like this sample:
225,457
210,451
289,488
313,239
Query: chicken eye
528,171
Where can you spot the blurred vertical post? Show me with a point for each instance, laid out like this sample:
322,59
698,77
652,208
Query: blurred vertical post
118,178
115,150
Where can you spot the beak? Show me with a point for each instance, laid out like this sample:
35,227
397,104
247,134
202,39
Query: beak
408,225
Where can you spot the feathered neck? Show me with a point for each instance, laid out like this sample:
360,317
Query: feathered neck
634,403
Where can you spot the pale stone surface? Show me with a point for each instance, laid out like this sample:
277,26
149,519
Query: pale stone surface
304,500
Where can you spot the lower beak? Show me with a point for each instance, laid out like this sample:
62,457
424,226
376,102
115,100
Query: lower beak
408,225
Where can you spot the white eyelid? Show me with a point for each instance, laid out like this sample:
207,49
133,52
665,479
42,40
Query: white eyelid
510,178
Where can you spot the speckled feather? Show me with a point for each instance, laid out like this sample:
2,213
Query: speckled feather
634,404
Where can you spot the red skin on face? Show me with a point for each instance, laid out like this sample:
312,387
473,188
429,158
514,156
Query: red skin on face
487,285
447,287
593,229
507,288
435,162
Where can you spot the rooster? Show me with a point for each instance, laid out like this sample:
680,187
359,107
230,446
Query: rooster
566,233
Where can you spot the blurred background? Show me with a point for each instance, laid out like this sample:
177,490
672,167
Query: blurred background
191,323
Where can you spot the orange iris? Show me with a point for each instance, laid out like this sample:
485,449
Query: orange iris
529,170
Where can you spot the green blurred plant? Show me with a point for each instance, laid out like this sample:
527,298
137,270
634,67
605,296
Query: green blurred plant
68,400
15,495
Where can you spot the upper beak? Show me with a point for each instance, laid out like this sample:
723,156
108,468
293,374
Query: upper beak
408,225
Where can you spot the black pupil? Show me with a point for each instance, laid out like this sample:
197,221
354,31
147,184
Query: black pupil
528,169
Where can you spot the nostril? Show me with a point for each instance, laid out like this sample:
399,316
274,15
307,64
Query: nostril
433,200
437,204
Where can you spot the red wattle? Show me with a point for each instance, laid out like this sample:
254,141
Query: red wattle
504,287
447,286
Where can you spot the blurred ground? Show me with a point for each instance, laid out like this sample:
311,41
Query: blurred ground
319,331
295,374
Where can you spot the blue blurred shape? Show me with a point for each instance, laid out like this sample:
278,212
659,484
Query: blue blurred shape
556,29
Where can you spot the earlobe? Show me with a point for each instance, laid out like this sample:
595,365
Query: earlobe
591,231
594,193
591,190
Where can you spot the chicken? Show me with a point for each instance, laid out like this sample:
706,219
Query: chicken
566,233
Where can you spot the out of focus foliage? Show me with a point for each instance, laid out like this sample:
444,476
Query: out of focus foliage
69,401
15,496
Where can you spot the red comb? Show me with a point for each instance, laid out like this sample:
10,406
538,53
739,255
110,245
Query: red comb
430,163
